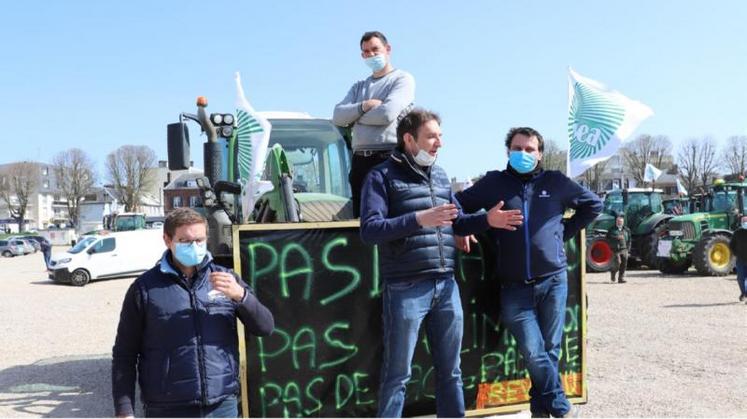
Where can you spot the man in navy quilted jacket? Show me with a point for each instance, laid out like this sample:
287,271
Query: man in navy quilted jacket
408,210
177,330
531,262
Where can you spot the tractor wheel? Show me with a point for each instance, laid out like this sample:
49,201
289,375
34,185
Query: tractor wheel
668,266
80,277
599,255
649,247
712,256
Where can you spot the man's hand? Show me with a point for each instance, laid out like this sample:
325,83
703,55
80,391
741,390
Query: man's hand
507,220
370,104
439,216
226,283
462,242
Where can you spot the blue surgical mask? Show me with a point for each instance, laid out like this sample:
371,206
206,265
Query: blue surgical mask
376,63
744,226
190,254
522,162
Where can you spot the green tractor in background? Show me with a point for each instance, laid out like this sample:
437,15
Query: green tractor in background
644,216
701,239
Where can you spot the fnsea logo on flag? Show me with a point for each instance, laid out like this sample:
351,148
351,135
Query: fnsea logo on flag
599,121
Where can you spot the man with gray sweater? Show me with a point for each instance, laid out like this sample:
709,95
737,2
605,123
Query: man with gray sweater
373,107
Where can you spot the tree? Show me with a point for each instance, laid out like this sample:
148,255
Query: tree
17,183
734,155
553,157
687,161
644,150
706,160
75,176
593,176
130,170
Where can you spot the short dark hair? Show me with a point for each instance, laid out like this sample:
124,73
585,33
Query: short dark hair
529,132
182,217
373,34
411,122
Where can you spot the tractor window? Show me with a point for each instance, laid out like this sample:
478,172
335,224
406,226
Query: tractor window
724,201
613,203
338,176
306,169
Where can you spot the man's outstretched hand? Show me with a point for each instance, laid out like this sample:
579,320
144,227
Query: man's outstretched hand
507,220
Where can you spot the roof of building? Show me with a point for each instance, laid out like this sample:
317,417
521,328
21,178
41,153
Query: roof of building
184,181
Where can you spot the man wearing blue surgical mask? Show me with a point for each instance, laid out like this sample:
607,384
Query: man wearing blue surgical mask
177,330
531,261
372,107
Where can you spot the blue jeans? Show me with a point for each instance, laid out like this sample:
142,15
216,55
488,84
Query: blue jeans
742,277
228,408
405,306
534,313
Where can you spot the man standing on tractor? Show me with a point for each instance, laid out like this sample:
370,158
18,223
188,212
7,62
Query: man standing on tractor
373,107
619,240
408,210
738,246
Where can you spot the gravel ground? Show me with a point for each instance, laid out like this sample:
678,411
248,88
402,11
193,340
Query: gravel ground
658,346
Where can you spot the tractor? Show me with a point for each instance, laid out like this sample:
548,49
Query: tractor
701,239
644,216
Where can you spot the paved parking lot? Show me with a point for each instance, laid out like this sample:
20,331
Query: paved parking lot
658,345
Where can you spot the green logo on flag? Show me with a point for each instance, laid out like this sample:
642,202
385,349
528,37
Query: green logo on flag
593,120
247,126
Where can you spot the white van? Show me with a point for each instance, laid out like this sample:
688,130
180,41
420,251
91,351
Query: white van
110,255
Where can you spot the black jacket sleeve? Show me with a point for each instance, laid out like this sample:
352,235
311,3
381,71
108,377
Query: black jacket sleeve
586,203
256,317
126,351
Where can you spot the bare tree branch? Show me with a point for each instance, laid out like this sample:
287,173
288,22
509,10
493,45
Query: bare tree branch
646,150
734,155
687,161
130,170
593,176
75,177
706,160
17,184
554,158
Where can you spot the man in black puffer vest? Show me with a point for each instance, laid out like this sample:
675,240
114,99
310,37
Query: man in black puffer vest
178,330
408,210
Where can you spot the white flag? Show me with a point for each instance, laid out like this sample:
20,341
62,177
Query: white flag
681,188
651,173
599,121
252,137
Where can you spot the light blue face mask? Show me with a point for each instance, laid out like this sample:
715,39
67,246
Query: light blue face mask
190,254
744,225
376,63
522,162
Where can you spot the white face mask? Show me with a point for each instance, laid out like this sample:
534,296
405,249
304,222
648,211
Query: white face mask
424,158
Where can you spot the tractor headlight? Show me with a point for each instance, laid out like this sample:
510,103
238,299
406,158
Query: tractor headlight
226,131
216,118
228,119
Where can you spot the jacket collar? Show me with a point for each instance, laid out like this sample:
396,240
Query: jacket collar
403,159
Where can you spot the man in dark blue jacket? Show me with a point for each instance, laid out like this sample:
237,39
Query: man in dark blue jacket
407,208
531,261
177,328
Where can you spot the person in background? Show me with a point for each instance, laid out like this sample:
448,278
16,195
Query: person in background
738,246
619,239
373,107
46,248
177,336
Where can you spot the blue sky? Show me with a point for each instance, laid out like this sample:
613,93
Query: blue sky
98,75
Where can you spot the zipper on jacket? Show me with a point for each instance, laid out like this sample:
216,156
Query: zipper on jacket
438,229
527,249
200,350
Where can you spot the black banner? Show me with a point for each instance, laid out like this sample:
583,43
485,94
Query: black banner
322,284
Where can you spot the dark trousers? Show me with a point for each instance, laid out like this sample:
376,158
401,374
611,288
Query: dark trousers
619,263
359,168
228,408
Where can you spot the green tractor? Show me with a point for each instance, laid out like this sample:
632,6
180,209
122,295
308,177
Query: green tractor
644,216
304,178
701,239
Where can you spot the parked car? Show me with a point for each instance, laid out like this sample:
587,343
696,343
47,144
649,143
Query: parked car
36,241
8,249
26,246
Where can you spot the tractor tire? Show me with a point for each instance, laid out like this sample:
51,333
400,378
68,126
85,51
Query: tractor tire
668,266
80,277
712,256
599,255
649,247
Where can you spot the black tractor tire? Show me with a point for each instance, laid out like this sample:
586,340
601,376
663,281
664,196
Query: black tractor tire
80,277
649,247
712,256
598,255
8,254
670,267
